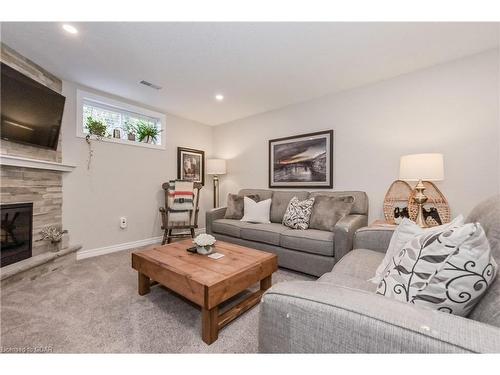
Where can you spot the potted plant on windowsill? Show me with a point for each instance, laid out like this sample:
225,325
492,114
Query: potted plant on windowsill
98,130
147,132
130,130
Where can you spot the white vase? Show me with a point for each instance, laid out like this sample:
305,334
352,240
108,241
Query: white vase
205,250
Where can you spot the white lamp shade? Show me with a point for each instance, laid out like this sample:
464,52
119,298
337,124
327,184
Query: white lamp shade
216,166
427,167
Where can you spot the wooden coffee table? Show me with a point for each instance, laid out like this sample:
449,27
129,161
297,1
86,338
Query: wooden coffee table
207,282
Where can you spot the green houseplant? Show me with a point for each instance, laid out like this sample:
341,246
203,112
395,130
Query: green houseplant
131,130
147,132
97,129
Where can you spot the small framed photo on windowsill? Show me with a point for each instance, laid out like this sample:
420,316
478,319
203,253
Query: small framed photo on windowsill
191,165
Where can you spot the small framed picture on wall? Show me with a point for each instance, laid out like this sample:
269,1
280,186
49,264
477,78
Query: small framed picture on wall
191,165
302,161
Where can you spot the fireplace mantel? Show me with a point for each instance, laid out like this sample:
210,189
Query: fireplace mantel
17,161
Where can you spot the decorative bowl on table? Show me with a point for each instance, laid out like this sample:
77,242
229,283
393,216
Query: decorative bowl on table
204,244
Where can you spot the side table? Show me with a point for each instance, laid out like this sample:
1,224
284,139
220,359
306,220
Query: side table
382,223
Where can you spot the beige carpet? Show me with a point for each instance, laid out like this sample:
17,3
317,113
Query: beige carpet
93,306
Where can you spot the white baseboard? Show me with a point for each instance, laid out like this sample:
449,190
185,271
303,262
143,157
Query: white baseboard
89,253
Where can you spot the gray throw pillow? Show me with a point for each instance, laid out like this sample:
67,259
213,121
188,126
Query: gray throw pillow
235,206
328,210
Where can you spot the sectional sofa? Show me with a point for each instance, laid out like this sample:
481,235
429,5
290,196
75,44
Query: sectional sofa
340,312
309,251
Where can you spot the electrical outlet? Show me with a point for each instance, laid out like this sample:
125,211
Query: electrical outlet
123,222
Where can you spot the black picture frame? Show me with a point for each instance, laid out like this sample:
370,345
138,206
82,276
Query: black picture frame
181,153
318,181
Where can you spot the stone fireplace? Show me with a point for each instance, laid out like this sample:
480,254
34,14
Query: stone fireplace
43,189
31,200
30,194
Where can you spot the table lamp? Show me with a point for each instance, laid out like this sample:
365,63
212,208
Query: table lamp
216,167
421,167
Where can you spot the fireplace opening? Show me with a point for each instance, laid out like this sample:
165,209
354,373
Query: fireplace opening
16,232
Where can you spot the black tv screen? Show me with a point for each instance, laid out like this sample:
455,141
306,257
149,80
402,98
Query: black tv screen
31,112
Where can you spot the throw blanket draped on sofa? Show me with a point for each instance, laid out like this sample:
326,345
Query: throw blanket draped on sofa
180,201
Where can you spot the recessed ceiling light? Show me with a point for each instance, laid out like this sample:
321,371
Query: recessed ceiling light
219,97
70,29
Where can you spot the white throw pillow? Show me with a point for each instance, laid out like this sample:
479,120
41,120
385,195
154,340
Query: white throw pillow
256,212
405,231
447,271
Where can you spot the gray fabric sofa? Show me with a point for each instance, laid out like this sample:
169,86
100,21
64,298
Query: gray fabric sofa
340,312
310,251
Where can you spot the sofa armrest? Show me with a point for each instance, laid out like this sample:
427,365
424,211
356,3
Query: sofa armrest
344,233
211,215
373,238
320,317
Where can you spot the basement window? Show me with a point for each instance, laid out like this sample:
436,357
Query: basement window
123,121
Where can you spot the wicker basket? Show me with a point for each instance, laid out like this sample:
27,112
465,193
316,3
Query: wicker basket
396,197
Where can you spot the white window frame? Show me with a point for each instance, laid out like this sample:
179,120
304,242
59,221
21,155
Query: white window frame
82,95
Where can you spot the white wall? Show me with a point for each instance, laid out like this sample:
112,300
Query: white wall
451,108
123,180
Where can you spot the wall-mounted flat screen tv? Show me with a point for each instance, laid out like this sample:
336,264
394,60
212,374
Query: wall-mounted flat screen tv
31,112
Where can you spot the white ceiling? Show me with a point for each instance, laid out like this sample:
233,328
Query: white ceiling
257,66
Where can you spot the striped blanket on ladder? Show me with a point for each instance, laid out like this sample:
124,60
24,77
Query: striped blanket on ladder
180,201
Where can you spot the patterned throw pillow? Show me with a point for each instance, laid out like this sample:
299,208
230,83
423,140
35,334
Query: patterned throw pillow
449,270
404,232
298,213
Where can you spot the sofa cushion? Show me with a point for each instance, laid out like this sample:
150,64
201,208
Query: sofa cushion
327,211
360,205
298,213
310,241
262,193
404,232
447,271
235,207
280,203
228,227
359,263
488,214
347,281
266,233
256,212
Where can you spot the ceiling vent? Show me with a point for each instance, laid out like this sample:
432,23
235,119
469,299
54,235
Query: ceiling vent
149,84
